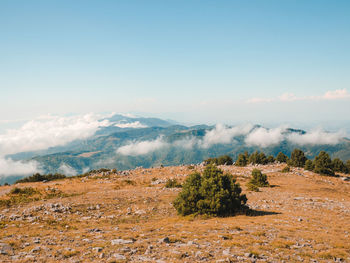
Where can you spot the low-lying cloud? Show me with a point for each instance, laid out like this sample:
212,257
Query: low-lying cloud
9,167
42,133
133,125
265,137
317,137
49,131
222,134
67,170
143,147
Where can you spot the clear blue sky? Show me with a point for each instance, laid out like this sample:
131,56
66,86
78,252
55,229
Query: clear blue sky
193,61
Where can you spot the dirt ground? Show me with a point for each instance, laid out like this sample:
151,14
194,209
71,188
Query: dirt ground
129,217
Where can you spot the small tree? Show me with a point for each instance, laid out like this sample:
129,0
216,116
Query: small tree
297,158
281,157
286,169
211,161
172,183
309,165
241,160
323,164
270,159
347,166
222,160
213,193
225,160
257,158
338,166
258,179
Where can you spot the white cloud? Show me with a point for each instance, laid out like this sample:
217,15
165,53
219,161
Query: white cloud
223,135
129,115
8,167
143,147
288,97
265,137
316,137
187,143
339,94
336,94
67,170
134,125
49,131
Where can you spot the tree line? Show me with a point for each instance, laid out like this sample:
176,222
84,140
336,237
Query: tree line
321,164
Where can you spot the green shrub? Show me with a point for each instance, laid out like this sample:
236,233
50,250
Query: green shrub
286,169
338,166
252,187
309,165
221,160
23,191
242,160
257,158
258,179
270,159
41,177
225,160
212,193
323,164
347,166
297,158
172,183
281,157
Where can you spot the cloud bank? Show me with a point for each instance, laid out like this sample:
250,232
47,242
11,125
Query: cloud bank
67,170
317,137
221,134
42,133
49,131
265,137
133,125
143,147
9,167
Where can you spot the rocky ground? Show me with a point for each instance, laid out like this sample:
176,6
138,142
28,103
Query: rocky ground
128,217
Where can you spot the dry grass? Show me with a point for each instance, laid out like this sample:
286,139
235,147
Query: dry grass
305,217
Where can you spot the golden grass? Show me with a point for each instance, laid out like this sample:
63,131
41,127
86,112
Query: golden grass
323,224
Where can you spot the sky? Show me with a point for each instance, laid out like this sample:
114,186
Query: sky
203,61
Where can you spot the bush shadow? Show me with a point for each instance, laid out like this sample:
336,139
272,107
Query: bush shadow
253,213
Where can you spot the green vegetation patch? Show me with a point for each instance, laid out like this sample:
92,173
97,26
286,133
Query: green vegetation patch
212,193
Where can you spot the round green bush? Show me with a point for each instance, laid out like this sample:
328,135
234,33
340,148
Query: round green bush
212,193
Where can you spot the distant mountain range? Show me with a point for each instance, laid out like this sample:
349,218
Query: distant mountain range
128,142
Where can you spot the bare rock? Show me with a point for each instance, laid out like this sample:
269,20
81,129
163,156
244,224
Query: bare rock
6,249
121,241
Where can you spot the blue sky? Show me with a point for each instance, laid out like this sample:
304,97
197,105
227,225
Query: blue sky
193,61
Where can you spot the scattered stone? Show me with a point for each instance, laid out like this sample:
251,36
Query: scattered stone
97,249
119,256
164,240
6,249
121,241
35,250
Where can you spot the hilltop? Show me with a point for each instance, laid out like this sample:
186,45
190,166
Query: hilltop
127,216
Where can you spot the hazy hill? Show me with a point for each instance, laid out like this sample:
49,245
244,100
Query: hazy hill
130,142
